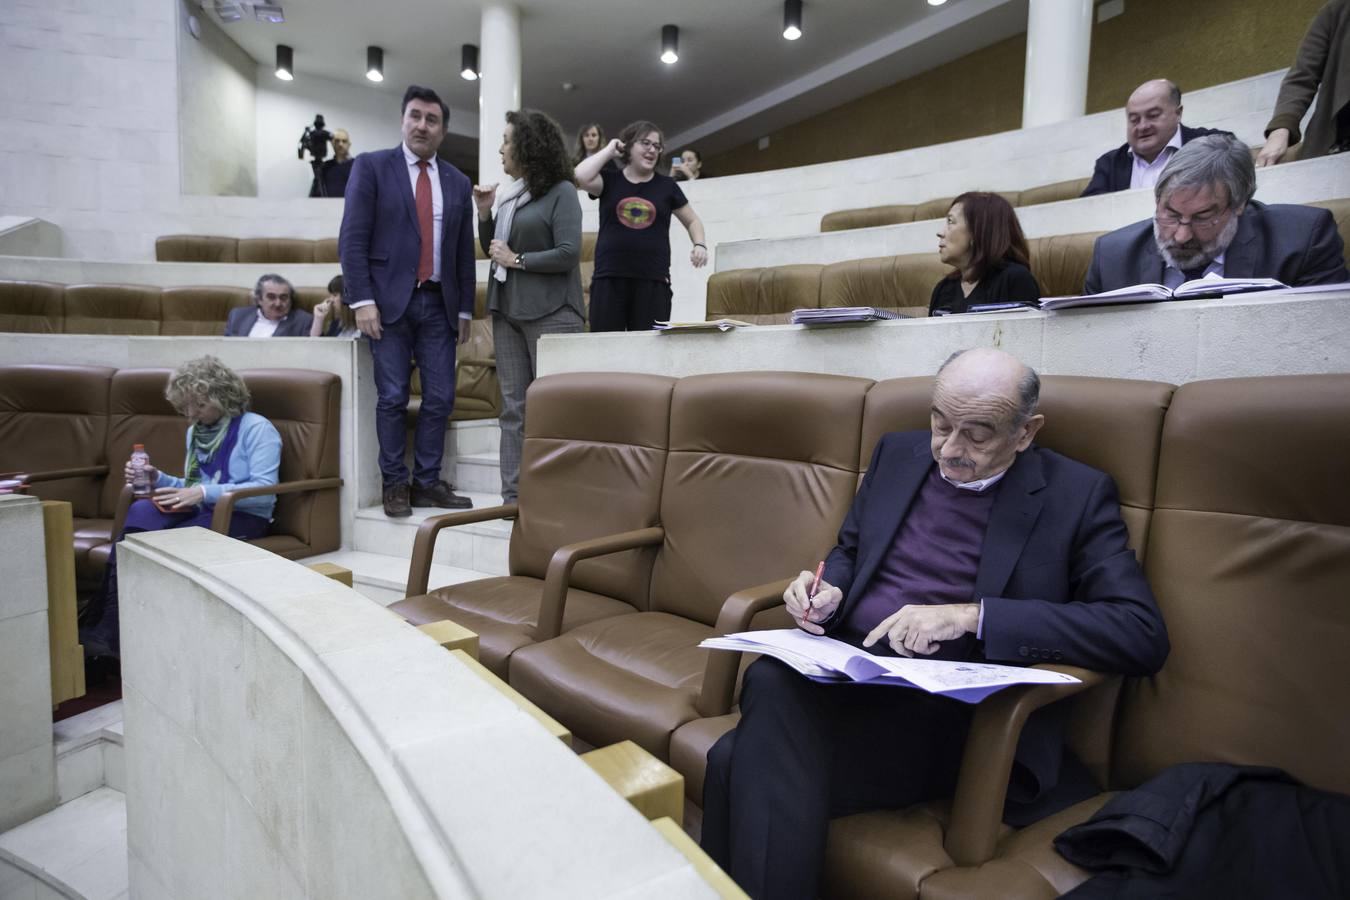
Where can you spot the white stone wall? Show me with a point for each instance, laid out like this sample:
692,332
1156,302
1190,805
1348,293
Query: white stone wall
1292,333
286,737
27,760
217,110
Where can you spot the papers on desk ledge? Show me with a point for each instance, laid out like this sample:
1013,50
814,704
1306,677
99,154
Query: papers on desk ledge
834,314
1209,286
714,325
825,659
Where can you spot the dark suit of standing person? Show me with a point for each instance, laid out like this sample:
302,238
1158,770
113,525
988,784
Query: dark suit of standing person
534,285
1153,132
1206,223
406,247
965,542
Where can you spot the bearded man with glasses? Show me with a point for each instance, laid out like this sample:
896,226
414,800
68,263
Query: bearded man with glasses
1206,222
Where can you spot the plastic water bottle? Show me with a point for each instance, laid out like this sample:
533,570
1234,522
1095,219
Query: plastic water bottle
140,471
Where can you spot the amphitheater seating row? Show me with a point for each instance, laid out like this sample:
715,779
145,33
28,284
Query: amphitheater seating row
895,214
653,506
70,429
767,296
47,308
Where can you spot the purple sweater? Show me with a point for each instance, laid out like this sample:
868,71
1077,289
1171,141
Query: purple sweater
933,559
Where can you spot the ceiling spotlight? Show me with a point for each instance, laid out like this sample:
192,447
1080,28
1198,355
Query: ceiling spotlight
936,2
228,11
670,44
375,64
792,19
285,62
468,63
269,12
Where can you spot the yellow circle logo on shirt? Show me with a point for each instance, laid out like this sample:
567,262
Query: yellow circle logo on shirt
637,213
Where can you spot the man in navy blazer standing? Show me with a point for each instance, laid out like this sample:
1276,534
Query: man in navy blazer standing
965,542
406,247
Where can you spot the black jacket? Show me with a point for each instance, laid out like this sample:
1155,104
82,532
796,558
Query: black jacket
1114,168
1202,830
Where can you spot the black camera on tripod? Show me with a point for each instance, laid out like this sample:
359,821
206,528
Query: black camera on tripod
315,140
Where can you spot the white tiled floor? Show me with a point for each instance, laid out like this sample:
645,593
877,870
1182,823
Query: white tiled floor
78,849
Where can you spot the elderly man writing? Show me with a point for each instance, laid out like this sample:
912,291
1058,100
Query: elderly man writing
1206,222
964,542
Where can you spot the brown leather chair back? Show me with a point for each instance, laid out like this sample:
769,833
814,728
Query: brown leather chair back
139,414
56,417
307,298
896,404
326,250
31,307
196,248
1341,210
276,250
1060,262
869,217
917,275
303,405
588,246
764,296
1249,555
762,469
866,282
199,310
592,465
111,309
932,209
1050,193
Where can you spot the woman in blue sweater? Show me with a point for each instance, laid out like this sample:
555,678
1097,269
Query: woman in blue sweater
228,448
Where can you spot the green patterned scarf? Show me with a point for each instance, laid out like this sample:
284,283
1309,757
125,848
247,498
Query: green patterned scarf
206,440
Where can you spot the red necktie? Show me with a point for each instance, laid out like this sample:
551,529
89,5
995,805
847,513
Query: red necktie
427,262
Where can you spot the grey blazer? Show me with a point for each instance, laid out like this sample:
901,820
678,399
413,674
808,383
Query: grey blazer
1295,244
548,231
295,324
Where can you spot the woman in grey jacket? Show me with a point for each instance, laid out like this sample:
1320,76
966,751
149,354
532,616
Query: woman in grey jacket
531,230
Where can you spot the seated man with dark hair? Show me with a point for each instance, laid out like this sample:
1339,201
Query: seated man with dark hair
964,542
1206,222
273,313
1153,132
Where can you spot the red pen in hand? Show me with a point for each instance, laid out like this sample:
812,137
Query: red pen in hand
815,589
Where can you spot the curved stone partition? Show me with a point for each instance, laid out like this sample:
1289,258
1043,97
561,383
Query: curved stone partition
286,737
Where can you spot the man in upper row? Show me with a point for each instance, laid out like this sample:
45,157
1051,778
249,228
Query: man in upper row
1153,132
1206,222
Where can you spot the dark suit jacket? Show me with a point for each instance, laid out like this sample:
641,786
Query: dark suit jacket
1294,244
1056,576
548,231
381,242
1113,169
296,323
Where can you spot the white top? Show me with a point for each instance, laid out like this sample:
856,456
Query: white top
263,326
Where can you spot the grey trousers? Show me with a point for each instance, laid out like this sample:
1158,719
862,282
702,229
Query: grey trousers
515,343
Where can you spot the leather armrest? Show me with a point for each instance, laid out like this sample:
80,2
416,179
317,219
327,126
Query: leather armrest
220,518
55,474
419,569
982,787
559,574
719,673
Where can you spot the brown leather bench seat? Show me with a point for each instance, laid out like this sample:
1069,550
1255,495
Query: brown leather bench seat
55,419
1249,558
896,214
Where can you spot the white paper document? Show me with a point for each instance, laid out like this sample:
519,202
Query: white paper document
826,659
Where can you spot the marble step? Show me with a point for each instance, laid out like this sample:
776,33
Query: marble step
78,849
477,473
480,547
384,578
475,437
89,753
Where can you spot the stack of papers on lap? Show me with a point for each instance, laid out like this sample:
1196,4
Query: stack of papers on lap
714,325
1152,293
825,659
833,314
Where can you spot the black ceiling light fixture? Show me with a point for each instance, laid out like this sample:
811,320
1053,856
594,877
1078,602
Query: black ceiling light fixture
375,63
792,19
670,44
468,63
285,62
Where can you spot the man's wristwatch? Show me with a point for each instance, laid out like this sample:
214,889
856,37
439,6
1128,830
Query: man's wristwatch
520,261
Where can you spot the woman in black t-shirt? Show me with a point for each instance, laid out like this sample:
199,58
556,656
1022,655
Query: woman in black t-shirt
630,288
983,241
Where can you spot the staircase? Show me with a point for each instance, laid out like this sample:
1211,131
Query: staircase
382,547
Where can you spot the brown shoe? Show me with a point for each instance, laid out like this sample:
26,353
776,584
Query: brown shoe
396,504
439,495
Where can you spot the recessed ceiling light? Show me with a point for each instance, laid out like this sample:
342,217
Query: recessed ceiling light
792,19
936,2
375,63
670,44
285,63
468,62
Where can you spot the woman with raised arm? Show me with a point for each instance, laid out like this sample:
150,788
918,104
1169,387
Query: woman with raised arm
630,289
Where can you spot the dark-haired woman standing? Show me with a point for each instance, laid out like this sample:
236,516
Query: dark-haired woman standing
983,241
630,290
533,238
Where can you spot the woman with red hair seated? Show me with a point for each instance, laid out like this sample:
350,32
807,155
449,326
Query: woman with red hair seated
983,242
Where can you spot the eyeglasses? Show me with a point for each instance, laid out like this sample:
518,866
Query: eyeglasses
649,145
1196,223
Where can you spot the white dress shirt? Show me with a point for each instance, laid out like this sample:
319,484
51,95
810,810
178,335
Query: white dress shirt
263,326
1175,278
1145,174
